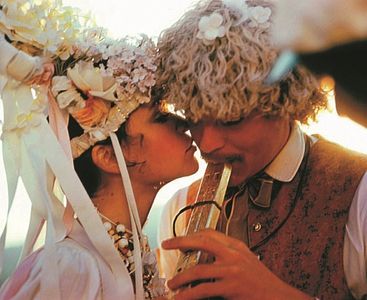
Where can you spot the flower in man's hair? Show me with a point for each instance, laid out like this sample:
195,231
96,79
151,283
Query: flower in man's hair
210,27
93,114
240,8
260,16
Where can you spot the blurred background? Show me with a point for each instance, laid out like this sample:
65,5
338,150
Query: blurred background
122,17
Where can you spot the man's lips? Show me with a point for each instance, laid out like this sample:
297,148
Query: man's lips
221,159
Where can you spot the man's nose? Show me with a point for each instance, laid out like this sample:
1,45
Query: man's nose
208,137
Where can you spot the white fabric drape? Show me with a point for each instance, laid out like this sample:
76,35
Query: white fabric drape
32,152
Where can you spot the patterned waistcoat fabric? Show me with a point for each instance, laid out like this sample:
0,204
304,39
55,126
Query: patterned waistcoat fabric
300,237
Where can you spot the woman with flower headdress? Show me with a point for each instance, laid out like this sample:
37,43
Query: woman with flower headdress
124,147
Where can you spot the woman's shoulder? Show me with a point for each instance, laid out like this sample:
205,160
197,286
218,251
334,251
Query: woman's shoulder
77,270
182,197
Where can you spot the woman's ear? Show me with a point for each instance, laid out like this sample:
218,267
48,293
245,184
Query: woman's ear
133,151
103,157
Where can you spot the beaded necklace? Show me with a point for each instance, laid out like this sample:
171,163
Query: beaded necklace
123,241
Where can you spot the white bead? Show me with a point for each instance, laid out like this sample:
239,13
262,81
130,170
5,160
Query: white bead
97,135
123,243
120,228
107,225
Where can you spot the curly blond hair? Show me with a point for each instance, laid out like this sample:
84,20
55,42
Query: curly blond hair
224,79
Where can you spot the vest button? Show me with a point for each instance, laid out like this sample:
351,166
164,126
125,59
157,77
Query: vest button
257,227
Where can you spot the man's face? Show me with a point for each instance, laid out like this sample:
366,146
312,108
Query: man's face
249,144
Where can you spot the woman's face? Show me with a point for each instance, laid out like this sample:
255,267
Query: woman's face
159,145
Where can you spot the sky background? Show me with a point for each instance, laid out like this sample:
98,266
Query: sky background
126,17
123,17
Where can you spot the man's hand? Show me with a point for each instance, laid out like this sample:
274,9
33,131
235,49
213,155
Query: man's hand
238,273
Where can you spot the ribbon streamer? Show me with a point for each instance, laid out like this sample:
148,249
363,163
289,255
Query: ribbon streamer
31,151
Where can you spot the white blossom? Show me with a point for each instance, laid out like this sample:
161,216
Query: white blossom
240,7
210,27
260,16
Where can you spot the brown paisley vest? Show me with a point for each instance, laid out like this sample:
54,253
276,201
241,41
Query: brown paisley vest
300,237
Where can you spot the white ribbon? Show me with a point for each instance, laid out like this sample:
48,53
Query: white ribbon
58,121
32,152
23,157
134,217
86,212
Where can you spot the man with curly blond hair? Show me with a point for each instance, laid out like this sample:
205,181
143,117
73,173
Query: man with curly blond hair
292,220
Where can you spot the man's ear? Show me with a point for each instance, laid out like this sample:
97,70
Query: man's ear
103,157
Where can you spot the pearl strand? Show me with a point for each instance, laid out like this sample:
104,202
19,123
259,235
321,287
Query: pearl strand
123,241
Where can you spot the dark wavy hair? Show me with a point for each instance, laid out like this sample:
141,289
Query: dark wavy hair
88,172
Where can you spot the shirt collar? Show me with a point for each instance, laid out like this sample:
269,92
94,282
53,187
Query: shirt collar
285,165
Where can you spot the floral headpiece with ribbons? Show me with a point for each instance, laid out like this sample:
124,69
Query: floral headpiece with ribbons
99,82
102,90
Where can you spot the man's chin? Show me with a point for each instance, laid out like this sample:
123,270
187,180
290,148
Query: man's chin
238,176
235,180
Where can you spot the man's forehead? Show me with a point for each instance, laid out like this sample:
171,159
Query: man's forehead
208,119
203,120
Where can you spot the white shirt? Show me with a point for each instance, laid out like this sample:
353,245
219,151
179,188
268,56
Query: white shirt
284,167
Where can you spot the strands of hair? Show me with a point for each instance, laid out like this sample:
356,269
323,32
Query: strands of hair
224,79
